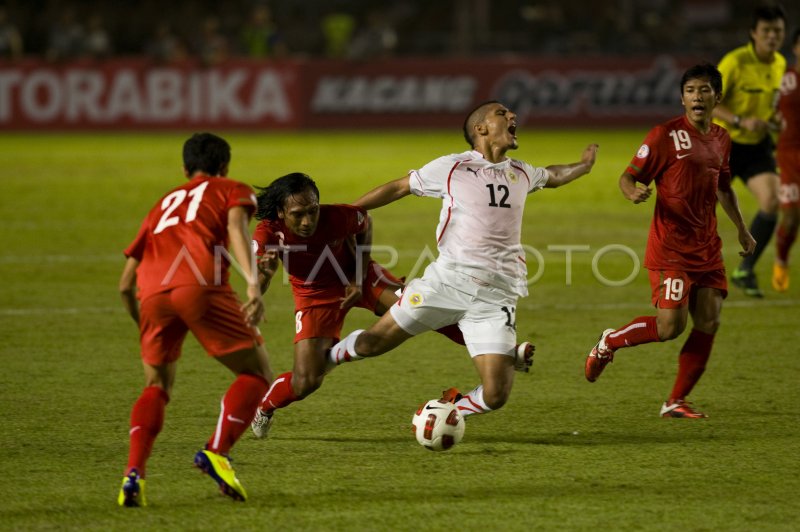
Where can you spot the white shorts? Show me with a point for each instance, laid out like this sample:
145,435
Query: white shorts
485,314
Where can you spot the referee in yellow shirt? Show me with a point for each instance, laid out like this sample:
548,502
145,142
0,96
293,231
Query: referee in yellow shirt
751,80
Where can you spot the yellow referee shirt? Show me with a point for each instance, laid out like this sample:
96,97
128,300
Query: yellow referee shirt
749,88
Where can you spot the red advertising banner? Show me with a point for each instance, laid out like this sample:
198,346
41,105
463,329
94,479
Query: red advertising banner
401,93
134,94
554,92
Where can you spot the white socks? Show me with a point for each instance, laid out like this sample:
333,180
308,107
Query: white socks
473,403
345,350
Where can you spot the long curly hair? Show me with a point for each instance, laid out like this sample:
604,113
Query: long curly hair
272,198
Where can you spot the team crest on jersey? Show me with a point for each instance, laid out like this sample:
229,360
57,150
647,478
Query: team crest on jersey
415,299
512,177
643,152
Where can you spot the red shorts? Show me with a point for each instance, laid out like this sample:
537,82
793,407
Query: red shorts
213,316
315,320
789,164
674,288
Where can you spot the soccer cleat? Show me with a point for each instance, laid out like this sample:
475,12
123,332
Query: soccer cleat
780,278
746,280
131,494
218,467
523,359
451,395
598,358
261,424
680,408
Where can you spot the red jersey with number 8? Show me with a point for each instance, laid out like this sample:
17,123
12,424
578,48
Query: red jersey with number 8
688,168
319,266
184,238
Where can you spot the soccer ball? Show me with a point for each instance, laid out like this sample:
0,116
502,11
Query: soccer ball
437,425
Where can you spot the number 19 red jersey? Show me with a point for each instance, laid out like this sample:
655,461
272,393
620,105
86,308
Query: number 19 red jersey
688,167
184,237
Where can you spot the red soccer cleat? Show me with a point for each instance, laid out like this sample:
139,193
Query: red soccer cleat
680,408
598,358
451,395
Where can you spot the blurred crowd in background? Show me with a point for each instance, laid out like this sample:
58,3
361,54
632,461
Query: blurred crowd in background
213,31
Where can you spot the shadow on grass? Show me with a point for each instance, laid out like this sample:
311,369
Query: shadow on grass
587,438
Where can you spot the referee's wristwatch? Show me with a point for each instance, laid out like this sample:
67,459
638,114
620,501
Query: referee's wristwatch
737,120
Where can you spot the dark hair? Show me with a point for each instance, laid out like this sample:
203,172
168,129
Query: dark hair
466,127
795,36
207,153
272,198
767,12
704,71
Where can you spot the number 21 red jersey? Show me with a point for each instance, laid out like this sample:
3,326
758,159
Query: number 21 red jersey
688,167
181,241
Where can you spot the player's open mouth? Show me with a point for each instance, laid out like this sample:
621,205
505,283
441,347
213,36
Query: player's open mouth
513,130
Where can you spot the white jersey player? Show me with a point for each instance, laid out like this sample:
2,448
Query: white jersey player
480,271
481,217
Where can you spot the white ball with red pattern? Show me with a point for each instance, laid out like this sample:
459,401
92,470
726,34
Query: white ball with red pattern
438,425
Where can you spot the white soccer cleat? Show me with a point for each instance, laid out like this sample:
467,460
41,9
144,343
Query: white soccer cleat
261,424
523,359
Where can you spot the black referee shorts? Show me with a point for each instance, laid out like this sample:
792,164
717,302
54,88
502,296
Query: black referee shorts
748,160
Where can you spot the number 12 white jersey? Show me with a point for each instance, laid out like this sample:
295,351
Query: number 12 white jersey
480,223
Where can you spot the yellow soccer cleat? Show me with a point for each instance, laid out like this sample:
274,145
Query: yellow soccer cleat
218,467
131,494
780,278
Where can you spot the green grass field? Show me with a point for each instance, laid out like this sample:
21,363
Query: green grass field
563,454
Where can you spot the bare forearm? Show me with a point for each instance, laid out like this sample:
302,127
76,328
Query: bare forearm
721,112
627,185
730,204
263,281
384,194
561,174
363,249
240,244
131,304
127,288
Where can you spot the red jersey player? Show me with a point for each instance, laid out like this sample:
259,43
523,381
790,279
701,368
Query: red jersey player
788,156
176,260
321,247
687,157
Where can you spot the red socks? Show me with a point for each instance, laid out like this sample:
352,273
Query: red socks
642,330
147,418
238,409
691,363
280,394
783,243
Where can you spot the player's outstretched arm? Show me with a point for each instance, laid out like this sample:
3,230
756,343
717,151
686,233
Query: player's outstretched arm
385,194
360,246
631,190
239,237
730,204
561,174
127,288
267,267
